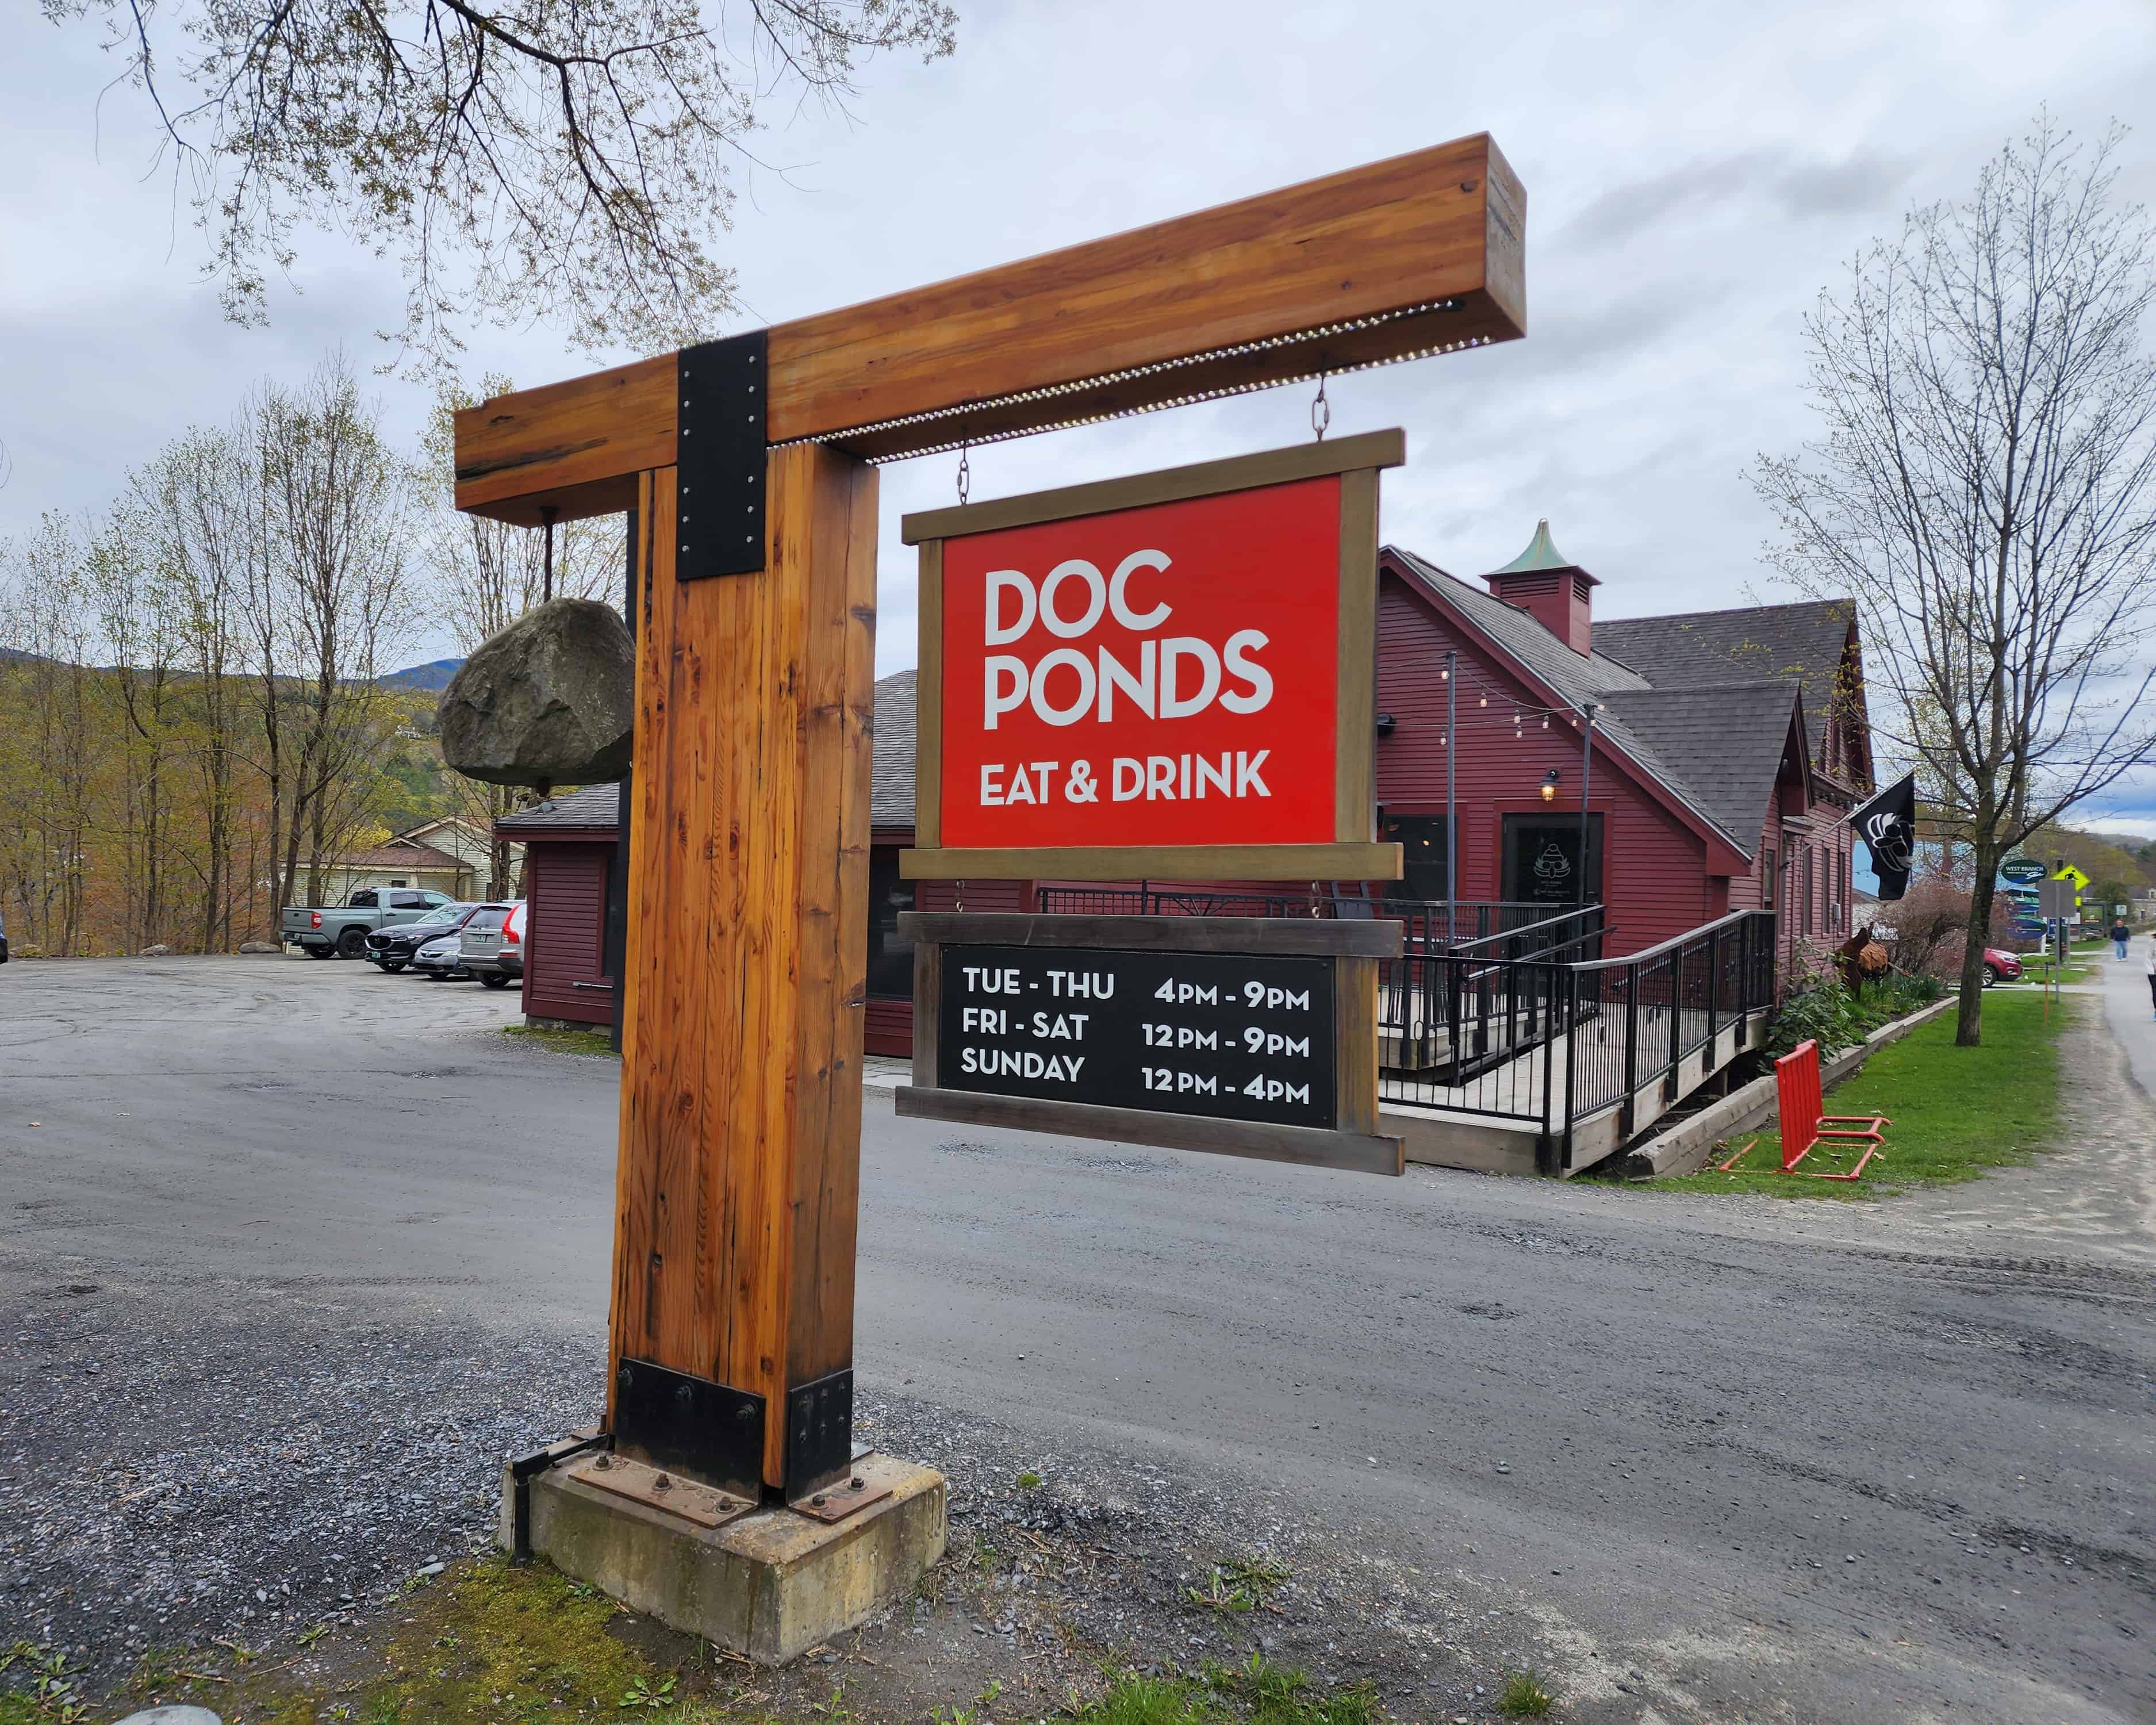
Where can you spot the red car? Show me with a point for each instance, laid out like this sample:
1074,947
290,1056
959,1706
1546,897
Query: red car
2000,967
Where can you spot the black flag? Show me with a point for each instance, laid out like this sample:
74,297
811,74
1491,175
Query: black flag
1887,825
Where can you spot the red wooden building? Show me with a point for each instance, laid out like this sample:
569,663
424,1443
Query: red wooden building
1721,752
568,856
1728,747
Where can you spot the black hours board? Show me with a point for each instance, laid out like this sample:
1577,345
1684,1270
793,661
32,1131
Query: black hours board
1232,1036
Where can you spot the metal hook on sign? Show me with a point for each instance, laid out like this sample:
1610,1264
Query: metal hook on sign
965,473
1320,410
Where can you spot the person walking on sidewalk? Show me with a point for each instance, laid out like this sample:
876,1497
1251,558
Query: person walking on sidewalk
2120,935
2150,967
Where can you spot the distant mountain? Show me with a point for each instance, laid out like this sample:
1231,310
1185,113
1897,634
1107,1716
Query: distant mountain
435,675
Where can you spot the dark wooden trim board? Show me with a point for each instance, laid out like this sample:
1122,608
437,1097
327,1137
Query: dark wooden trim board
928,700
1355,734
1157,862
1367,450
1267,936
1358,1152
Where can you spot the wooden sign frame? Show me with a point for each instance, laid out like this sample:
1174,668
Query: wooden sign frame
1355,1144
1353,854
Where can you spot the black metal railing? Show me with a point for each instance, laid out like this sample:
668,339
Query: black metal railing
1426,925
1560,1035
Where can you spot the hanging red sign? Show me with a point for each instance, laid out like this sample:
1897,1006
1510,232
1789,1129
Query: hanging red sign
1179,665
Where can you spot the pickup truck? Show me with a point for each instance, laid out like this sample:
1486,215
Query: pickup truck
341,930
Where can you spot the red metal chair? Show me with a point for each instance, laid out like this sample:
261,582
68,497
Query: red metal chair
1797,1090
1797,1093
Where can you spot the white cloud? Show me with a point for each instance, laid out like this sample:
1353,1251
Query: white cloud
1695,174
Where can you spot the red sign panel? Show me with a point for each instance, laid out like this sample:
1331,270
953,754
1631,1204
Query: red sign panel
1160,676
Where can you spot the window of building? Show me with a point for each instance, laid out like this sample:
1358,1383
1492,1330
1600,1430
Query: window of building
1767,878
1422,857
1805,898
891,954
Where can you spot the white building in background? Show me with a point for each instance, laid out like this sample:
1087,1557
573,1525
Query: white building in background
449,855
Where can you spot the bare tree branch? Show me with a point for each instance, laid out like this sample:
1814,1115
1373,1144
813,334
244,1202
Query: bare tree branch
562,159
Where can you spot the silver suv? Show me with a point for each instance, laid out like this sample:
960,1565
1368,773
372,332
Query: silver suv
490,946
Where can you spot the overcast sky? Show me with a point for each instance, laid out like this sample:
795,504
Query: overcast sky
1695,174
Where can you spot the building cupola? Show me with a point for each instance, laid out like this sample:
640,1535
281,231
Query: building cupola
1550,589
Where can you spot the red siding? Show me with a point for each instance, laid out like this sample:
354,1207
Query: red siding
567,919
1654,878
889,1028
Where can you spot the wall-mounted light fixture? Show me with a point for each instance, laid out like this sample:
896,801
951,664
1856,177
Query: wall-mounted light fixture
1385,724
1550,780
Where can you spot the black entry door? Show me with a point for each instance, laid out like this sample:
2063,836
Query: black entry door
1542,860
1425,869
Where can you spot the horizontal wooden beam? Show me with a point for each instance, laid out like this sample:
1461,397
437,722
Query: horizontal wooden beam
1157,862
1270,937
1174,484
1419,253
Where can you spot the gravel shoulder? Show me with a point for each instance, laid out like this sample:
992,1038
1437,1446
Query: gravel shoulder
296,1254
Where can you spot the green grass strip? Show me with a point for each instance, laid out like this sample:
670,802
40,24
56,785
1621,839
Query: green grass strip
1957,1113
575,1042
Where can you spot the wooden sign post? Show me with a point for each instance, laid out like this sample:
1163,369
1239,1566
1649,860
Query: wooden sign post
746,460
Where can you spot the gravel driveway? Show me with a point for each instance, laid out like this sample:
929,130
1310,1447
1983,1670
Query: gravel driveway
294,1253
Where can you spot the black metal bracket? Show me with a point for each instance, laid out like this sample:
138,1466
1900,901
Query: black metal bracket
710,1432
718,523
522,1470
820,1433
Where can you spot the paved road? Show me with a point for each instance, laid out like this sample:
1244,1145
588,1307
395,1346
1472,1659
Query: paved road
1654,1430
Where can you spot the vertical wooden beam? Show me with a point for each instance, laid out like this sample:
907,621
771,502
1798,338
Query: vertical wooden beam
739,1173
1355,770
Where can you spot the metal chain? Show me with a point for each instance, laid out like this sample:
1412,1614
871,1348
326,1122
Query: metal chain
965,473
1321,411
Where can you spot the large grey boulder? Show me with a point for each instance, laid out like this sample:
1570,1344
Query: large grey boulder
173,1714
550,699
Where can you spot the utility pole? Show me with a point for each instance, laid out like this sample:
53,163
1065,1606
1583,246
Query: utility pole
1586,768
1451,796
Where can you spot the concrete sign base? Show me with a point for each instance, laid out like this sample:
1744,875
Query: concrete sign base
770,1584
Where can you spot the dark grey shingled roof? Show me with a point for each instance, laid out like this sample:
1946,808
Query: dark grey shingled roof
1801,644
596,805
1724,744
890,771
1527,640
1596,678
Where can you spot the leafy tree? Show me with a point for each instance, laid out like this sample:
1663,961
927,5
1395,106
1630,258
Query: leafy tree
1985,491
563,158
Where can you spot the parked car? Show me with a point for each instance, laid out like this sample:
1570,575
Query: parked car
391,949
491,946
341,930
1999,967
439,962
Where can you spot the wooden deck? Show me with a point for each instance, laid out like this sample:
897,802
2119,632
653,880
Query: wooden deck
1453,1127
